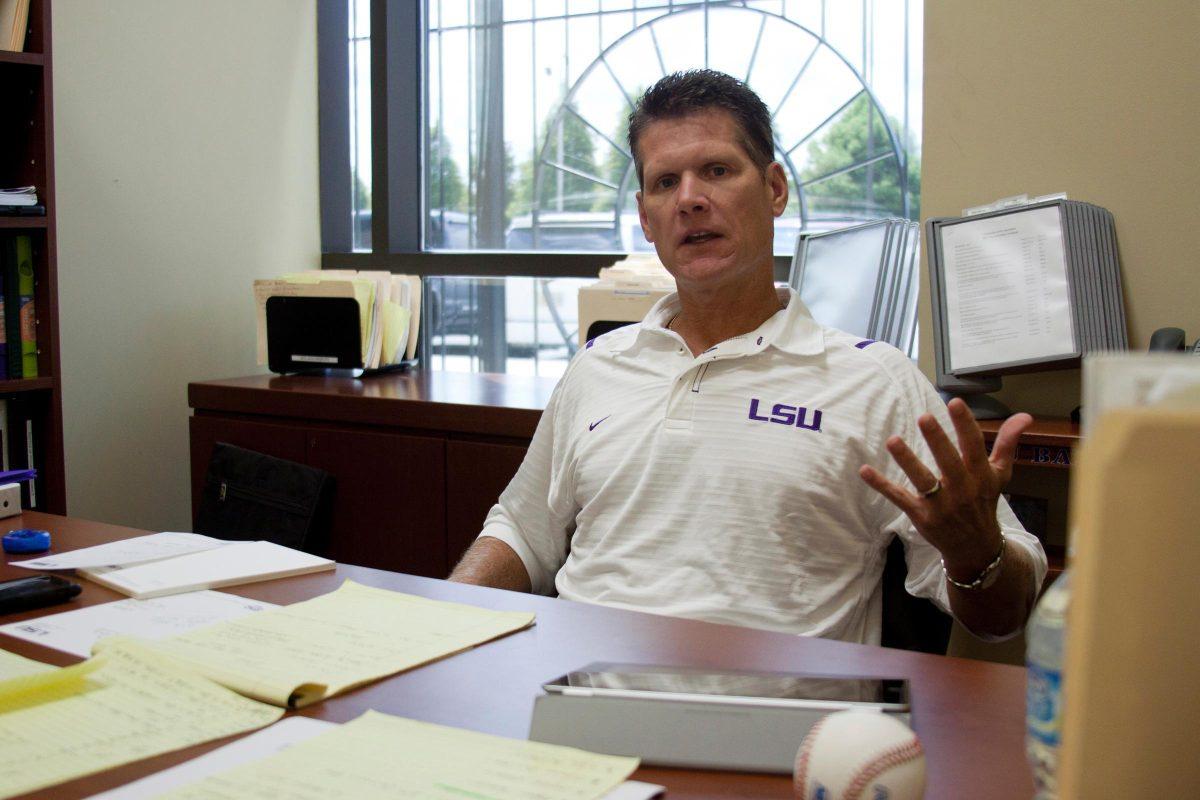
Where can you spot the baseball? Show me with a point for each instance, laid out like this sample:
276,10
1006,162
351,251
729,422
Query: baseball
860,755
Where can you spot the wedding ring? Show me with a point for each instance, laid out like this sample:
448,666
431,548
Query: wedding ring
937,487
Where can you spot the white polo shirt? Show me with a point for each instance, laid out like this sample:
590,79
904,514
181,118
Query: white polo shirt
725,486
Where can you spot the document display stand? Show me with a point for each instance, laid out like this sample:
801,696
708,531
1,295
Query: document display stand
1022,289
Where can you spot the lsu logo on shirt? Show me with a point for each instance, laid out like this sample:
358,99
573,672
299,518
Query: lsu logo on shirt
782,414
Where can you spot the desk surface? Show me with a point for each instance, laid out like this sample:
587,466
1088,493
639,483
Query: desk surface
969,714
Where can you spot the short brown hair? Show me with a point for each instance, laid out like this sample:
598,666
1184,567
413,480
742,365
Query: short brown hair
682,93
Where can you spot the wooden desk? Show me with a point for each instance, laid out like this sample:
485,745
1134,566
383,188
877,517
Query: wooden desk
1047,443
969,714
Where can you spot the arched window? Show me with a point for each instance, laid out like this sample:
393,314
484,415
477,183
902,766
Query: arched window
537,93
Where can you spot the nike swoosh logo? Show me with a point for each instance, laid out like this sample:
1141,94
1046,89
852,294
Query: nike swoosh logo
592,427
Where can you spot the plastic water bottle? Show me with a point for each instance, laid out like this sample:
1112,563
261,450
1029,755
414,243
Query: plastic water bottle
1045,637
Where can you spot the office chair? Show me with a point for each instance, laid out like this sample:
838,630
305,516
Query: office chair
250,496
909,623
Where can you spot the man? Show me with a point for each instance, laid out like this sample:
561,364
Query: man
710,462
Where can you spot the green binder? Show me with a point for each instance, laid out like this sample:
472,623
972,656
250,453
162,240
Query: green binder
29,360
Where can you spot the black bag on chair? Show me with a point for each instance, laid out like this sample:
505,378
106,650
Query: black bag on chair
250,496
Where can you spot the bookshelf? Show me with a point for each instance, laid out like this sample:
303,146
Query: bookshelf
27,158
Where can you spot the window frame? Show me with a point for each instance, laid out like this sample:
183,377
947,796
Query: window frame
398,151
398,156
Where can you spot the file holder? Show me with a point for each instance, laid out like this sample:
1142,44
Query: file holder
313,333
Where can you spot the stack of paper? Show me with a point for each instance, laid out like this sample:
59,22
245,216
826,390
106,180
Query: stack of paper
126,552
862,279
171,563
381,756
299,654
371,743
389,309
233,564
126,705
20,196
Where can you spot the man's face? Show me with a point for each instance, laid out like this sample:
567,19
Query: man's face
704,204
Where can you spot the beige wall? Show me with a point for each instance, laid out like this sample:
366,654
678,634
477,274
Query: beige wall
1097,98
186,159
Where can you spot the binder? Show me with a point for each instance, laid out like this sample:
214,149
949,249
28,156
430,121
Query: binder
12,307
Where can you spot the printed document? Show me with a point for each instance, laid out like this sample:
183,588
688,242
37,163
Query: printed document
77,631
302,653
124,706
1007,296
379,756
138,550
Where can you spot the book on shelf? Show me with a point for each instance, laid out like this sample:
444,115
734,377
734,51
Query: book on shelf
12,305
14,21
4,460
28,322
4,374
37,210
23,443
20,322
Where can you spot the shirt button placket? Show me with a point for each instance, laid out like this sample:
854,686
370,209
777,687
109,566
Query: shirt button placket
681,401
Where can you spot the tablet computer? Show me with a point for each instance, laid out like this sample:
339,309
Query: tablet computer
732,687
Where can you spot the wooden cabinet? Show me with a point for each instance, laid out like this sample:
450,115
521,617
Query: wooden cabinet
417,459
476,474
389,504
27,159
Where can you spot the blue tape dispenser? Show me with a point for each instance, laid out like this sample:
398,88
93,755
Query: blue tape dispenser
26,540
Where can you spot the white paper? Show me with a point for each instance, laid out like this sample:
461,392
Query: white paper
636,790
1007,296
235,563
269,741
76,631
1133,380
260,744
137,550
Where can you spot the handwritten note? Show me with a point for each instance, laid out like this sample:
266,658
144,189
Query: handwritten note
137,550
77,631
123,706
298,654
256,746
378,756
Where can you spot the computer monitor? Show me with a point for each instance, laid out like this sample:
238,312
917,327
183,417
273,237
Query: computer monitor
861,279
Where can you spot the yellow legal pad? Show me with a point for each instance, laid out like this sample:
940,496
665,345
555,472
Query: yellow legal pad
299,654
15,666
385,757
122,706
